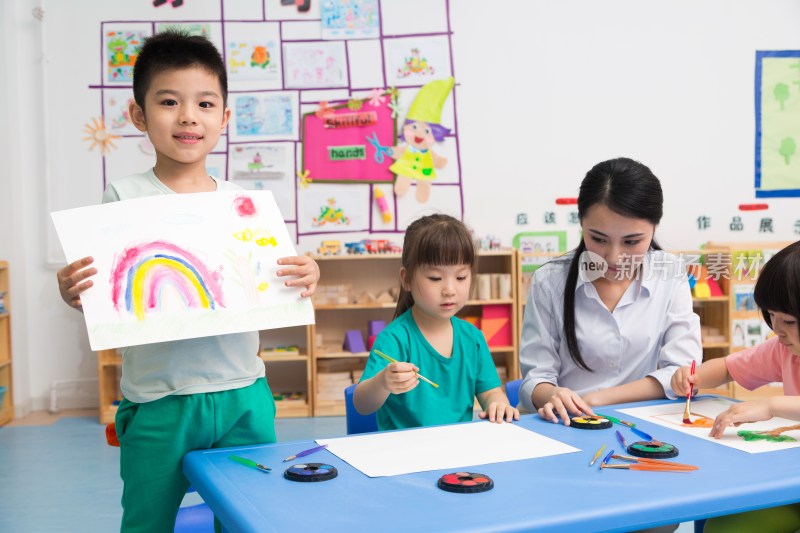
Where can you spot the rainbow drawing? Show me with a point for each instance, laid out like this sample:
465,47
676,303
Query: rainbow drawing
141,272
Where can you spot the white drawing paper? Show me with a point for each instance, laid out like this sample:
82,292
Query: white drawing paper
393,453
182,266
671,416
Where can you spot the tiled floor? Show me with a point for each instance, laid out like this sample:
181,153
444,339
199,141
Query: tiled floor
57,474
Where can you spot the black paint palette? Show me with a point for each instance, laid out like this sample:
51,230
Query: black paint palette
589,422
310,472
653,450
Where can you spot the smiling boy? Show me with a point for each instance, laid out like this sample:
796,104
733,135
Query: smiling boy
188,394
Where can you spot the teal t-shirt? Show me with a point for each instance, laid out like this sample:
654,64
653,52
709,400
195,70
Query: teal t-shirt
470,371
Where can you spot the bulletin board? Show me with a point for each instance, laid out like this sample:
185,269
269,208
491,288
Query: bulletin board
283,64
347,143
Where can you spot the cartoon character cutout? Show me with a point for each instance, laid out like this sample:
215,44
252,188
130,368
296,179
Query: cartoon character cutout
416,160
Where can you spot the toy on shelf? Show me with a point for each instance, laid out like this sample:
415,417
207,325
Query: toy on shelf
373,246
489,243
330,248
355,248
288,396
281,350
374,327
333,295
353,341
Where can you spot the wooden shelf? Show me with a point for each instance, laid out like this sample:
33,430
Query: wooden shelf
344,307
269,358
6,357
715,345
329,407
724,299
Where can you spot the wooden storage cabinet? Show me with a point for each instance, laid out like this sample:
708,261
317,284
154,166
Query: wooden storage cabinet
364,282
7,404
286,373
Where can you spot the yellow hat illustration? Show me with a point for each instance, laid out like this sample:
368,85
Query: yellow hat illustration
427,106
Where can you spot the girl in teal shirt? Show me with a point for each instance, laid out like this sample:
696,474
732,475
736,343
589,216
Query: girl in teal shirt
436,276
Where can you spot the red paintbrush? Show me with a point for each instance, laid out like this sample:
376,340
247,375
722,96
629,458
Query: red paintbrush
686,412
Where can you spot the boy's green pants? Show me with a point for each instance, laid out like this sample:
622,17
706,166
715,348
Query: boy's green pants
155,436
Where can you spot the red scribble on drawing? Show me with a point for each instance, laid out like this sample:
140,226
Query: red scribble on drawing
244,206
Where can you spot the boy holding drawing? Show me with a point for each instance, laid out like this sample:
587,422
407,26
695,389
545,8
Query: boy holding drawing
196,393
777,294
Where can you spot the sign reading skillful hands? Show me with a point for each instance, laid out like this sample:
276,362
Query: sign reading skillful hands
183,266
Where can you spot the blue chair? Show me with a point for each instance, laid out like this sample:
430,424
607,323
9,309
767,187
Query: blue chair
356,422
194,518
512,391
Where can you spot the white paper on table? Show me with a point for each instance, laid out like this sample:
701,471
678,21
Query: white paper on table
392,453
671,416
183,266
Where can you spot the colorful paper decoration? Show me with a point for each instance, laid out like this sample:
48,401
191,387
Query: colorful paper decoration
416,159
383,205
345,125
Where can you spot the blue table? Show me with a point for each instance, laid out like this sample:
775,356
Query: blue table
558,493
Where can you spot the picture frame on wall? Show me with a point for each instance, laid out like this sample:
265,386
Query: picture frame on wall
539,247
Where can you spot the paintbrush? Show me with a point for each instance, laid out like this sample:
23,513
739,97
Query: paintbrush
393,360
686,412
646,436
251,463
632,459
649,467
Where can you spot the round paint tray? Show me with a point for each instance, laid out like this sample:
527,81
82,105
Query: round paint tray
587,422
310,472
651,450
465,482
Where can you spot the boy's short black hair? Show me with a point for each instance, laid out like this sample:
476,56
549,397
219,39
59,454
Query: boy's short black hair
176,49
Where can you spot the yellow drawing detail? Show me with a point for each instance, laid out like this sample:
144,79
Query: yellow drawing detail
259,237
99,136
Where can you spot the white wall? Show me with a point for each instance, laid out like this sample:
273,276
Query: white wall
547,89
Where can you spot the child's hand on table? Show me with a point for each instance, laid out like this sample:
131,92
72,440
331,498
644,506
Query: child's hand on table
498,411
71,281
304,268
565,403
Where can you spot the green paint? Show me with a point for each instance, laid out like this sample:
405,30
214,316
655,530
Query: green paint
347,153
756,435
781,93
787,149
666,448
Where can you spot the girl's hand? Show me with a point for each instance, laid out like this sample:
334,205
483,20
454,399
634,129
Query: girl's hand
71,281
564,403
497,411
683,381
741,413
398,378
305,269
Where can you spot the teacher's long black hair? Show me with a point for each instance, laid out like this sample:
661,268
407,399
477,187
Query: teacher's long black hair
628,188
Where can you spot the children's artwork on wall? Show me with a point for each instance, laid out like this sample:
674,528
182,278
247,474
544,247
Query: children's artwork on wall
264,116
266,104
273,161
350,141
182,266
253,55
315,65
416,60
416,160
671,416
291,9
332,208
777,124
350,19
539,242
98,135
115,111
121,44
